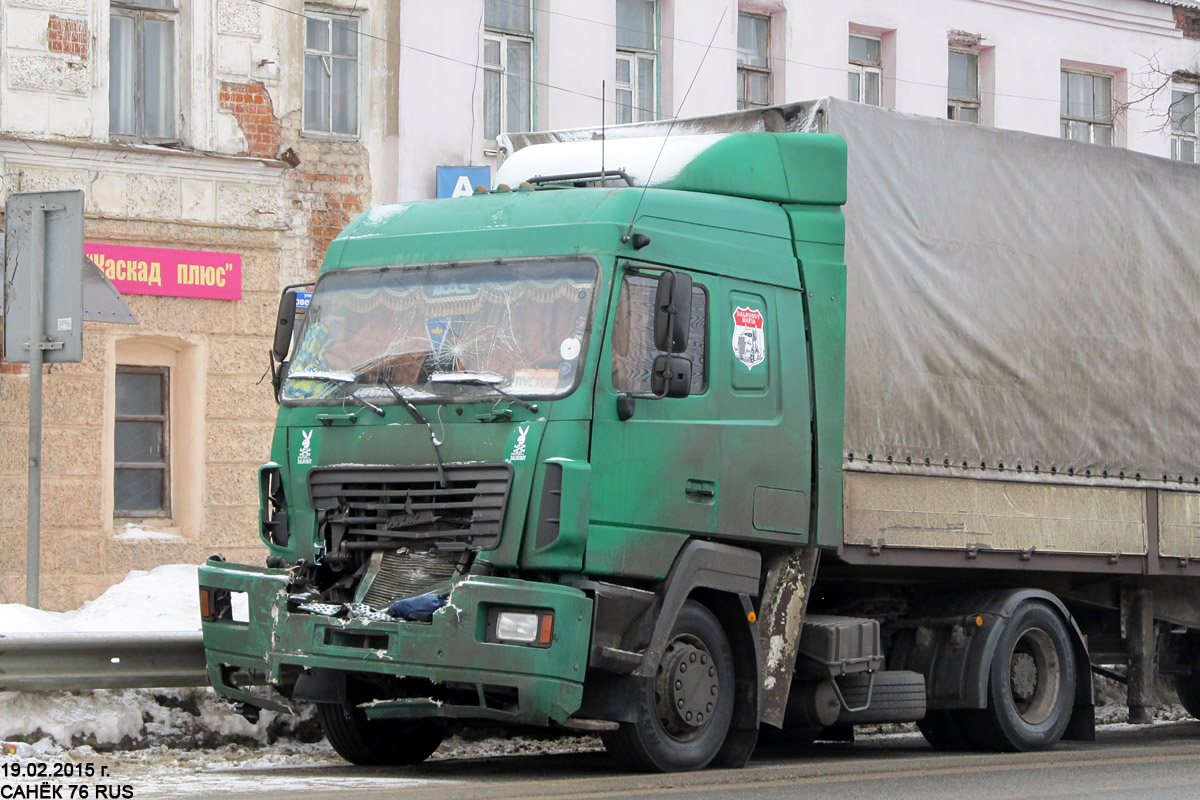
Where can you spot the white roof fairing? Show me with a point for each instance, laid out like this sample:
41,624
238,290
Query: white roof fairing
636,157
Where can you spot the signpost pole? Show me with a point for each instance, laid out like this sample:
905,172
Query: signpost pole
33,542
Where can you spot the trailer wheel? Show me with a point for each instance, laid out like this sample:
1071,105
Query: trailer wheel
378,741
685,709
1188,689
1031,686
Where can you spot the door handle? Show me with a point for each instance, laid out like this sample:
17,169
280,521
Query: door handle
697,489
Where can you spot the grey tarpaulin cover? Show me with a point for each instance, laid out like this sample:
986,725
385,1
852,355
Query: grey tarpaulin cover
1014,299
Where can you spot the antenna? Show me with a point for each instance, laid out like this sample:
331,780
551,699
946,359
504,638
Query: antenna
603,100
671,127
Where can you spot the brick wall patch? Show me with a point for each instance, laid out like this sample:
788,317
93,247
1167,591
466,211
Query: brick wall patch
251,105
69,36
1187,20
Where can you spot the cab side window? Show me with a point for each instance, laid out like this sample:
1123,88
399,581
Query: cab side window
633,336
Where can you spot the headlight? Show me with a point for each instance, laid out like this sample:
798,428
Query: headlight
534,628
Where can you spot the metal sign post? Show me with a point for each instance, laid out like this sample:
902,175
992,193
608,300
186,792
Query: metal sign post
43,239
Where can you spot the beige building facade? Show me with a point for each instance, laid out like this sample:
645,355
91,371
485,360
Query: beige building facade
211,180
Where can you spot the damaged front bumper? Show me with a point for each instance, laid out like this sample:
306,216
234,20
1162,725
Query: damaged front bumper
467,676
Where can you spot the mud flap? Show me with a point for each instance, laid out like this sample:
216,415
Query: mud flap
789,578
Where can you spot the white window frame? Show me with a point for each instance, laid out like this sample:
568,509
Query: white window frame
140,12
1094,124
329,15
504,38
956,107
864,68
1185,133
639,109
747,73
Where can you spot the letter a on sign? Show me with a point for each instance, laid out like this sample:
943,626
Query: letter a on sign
461,181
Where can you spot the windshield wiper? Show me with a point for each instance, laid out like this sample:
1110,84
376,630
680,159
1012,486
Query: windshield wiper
413,411
488,379
366,403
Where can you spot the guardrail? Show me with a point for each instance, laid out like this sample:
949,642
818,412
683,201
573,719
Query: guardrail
43,662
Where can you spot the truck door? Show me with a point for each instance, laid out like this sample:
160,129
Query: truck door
716,463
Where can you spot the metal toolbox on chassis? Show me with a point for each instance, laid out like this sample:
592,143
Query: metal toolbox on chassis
832,646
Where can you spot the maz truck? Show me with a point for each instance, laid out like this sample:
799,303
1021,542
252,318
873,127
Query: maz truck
796,418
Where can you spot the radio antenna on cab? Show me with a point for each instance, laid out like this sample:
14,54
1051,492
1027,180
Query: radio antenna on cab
629,232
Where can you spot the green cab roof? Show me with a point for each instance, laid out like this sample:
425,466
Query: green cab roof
793,168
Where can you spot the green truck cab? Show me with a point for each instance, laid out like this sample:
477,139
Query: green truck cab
539,453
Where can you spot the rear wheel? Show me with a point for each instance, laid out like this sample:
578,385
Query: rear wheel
946,729
1188,689
685,709
377,741
1031,688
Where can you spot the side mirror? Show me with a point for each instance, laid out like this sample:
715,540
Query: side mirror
285,321
672,312
671,376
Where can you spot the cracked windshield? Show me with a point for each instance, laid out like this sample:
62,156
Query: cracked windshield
508,328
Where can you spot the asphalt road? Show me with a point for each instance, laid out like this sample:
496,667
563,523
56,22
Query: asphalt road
1152,763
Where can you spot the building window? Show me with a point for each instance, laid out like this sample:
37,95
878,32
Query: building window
508,68
637,60
866,70
633,336
754,61
142,91
331,66
1087,107
1184,127
962,86
141,457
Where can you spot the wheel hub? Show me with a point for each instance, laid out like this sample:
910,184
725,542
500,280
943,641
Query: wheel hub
687,687
1024,677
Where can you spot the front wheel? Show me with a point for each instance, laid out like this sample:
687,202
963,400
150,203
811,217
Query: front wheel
685,709
1031,687
377,741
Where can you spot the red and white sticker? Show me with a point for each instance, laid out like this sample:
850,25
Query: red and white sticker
749,343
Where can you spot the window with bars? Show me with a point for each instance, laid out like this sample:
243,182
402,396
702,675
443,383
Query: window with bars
332,48
1087,107
754,61
963,98
866,70
142,84
637,60
1185,131
508,68
141,443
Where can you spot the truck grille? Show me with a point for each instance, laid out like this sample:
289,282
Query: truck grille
382,508
405,573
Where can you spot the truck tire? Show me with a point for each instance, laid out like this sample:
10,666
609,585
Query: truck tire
947,729
1188,689
685,709
365,741
1031,685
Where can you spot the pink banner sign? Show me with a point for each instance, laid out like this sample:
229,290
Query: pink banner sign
169,273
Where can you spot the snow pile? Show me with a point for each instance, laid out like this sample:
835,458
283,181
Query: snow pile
164,599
